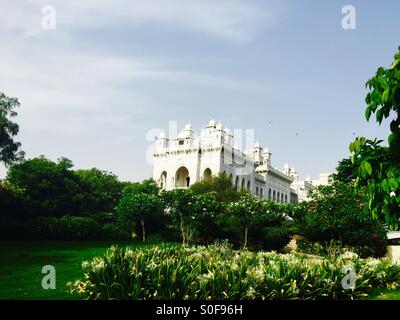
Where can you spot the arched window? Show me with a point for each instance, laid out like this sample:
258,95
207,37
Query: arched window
282,198
182,179
163,180
248,186
285,198
278,197
257,191
261,193
274,196
269,194
237,183
207,173
243,184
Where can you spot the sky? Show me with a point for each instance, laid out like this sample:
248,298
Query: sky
113,74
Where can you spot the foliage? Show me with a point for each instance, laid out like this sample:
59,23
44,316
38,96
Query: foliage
217,272
220,185
140,211
378,174
148,186
65,228
336,212
102,190
346,171
9,149
51,188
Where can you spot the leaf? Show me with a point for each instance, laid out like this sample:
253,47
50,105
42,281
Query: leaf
391,139
379,115
393,184
367,113
367,167
385,95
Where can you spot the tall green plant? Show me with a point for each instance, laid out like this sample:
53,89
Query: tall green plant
379,167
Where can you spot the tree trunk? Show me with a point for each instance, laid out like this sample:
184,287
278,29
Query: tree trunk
182,231
143,230
246,230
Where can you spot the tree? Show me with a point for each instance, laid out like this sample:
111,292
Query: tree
346,171
378,167
178,207
102,190
140,211
242,214
51,188
220,185
336,212
148,186
9,149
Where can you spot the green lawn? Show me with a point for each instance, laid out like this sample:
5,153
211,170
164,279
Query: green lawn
21,264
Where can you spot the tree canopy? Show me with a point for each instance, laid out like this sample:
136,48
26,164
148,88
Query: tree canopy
9,149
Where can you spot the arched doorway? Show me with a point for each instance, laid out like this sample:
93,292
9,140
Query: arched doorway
248,186
163,180
243,184
261,193
207,173
182,179
274,196
269,194
257,191
237,183
278,197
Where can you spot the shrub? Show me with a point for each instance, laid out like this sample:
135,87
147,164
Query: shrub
140,213
218,272
335,212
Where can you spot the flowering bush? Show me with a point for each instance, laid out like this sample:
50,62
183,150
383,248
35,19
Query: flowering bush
218,272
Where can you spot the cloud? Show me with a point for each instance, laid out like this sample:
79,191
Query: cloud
233,20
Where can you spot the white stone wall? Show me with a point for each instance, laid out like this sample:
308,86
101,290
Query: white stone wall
213,150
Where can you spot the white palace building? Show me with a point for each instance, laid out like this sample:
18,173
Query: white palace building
187,159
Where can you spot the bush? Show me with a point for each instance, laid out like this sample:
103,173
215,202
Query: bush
218,272
65,228
335,212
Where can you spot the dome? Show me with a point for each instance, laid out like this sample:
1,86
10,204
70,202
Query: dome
266,150
286,166
211,123
188,127
227,131
162,135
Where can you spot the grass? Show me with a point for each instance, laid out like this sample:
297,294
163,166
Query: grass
385,294
21,264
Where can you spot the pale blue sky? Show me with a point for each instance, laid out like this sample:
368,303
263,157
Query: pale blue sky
112,71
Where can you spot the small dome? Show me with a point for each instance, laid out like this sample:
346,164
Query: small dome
227,131
162,135
286,166
211,123
266,150
256,145
188,127
219,126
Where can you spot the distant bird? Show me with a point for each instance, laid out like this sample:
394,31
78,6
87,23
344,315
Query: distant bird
354,133
297,134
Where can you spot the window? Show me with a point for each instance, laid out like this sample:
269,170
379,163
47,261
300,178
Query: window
181,142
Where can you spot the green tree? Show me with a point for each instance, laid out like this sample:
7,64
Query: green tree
178,204
336,212
378,168
148,186
51,188
9,149
242,214
140,211
102,190
346,171
220,185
